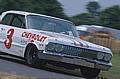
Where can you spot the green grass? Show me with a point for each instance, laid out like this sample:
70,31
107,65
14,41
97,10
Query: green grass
114,72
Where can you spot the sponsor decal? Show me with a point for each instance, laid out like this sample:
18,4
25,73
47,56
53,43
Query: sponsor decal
41,45
23,42
34,37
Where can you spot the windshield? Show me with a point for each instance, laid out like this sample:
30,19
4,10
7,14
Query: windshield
51,25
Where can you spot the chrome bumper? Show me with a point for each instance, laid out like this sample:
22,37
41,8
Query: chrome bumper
75,61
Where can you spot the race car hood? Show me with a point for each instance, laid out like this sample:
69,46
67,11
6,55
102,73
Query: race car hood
74,41
68,40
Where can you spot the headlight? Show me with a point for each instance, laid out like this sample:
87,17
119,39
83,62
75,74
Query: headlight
59,48
107,57
51,47
100,55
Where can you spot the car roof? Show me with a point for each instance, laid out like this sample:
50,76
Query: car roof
29,13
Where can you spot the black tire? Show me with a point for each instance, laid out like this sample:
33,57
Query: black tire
89,73
32,58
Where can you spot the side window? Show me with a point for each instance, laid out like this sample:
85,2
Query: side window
7,19
18,21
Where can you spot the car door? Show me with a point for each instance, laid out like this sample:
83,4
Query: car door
5,23
12,33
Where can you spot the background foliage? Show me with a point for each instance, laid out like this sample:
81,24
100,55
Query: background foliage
48,7
109,17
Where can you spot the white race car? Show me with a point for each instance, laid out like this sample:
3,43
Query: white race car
41,39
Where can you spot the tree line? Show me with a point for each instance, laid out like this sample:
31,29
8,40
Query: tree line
109,17
47,7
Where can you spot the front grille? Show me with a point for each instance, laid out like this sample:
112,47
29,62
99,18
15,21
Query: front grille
76,51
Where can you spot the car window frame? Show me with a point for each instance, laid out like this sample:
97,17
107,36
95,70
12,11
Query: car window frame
16,16
5,18
12,19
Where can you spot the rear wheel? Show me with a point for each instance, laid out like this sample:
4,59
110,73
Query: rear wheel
32,58
89,73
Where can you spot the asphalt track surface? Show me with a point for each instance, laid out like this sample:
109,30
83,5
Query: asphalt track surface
19,67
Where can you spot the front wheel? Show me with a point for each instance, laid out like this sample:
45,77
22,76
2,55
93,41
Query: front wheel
89,73
31,57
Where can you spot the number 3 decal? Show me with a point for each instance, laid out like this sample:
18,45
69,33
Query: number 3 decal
8,41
